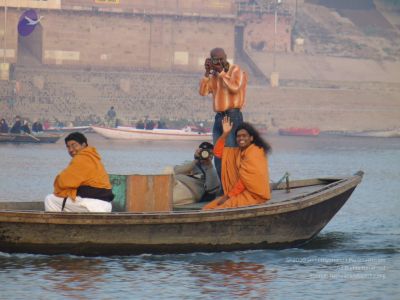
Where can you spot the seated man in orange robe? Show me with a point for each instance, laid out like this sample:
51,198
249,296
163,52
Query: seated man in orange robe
84,186
245,175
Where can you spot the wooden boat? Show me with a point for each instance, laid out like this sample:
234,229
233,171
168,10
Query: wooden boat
296,131
390,133
290,219
129,133
69,129
29,138
6,138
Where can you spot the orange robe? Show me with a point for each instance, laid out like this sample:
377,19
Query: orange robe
85,168
228,88
245,176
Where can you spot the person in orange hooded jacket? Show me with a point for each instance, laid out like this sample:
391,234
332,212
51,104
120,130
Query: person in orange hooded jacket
245,175
83,186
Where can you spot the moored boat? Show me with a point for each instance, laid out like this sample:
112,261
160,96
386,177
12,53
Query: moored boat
29,138
68,129
289,219
390,133
297,131
129,133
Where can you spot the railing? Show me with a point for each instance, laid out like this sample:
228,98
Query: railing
261,7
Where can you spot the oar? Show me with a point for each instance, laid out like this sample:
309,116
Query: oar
32,136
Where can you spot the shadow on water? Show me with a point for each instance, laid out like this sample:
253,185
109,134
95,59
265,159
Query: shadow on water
353,242
330,240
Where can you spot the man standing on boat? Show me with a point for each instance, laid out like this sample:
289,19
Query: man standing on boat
84,186
227,84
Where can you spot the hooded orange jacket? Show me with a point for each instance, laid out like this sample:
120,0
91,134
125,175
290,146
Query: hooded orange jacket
85,168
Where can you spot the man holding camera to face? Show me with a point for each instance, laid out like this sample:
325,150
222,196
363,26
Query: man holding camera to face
197,180
227,84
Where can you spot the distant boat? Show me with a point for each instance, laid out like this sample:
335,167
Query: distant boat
390,133
298,131
262,130
66,129
29,138
130,133
290,219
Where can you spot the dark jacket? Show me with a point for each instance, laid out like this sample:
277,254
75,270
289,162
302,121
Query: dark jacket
16,128
37,127
25,128
3,126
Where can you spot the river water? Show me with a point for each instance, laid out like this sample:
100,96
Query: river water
356,256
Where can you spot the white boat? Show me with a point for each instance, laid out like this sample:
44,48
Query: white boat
130,133
390,133
68,129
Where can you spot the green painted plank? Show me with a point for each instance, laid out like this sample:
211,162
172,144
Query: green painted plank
119,189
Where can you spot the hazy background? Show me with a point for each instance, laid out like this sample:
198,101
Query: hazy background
338,61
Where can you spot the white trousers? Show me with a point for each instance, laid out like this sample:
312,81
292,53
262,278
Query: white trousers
54,203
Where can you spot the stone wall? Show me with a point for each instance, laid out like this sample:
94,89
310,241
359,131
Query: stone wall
72,95
107,40
11,36
259,33
178,7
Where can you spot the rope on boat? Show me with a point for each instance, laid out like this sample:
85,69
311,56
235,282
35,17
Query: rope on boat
286,178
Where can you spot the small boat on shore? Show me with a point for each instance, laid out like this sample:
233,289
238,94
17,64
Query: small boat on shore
297,212
130,133
297,131
29,138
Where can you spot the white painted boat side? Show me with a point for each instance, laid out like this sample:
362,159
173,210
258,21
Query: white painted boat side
129,133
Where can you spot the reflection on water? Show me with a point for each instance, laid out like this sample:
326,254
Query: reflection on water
74,275
61,274
358,252
241,279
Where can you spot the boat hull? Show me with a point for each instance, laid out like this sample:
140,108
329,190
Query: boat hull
299,131
83,129
155,134
29,138
280,225
394,133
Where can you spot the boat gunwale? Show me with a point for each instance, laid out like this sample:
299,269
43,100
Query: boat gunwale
21,138
149,132
41,134
129,218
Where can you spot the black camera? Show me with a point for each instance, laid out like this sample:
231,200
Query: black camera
205,154
205,151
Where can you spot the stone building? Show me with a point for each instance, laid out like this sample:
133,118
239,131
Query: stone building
159,35
142,34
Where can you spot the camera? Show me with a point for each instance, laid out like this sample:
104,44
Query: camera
205,154
205,151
